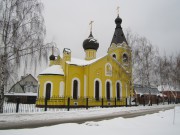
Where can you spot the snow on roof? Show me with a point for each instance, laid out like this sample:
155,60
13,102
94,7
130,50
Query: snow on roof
67,50
21,94
167,88
53,70
79,62
93,39
145,90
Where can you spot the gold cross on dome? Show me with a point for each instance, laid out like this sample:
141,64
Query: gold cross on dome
91,22
118,10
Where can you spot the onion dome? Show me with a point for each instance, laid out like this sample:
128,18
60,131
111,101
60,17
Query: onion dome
52,57
90,43
118,20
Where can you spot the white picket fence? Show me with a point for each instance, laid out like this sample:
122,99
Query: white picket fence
26,108
31,108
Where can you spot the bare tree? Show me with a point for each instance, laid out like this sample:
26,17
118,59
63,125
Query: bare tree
145,59
132,42
22,34
169,73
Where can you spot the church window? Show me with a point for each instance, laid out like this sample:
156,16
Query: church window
97,86
48,91
108,90
75,89
125,57
108,70
118,91
114,56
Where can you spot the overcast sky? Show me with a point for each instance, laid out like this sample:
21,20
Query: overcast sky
67,22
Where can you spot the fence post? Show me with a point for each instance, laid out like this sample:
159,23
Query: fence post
86,103
17,104
102,103
68,104
157,101
135,101
115,101
151,101
144,101
130,101
126,102
45,104
168,101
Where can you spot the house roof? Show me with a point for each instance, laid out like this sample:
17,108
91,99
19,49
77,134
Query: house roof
18,83
53,70
28,76
167,88
139,89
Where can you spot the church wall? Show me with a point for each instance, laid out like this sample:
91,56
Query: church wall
74,73
97,71
55,81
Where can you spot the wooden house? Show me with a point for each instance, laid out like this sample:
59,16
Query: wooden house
25,89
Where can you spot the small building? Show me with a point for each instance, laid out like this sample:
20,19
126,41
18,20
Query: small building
25,89
147,95
171,94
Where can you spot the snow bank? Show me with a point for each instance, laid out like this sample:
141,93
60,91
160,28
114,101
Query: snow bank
154,124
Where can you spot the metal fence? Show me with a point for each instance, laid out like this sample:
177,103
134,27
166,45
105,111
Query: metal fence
61,104
69,102
64,104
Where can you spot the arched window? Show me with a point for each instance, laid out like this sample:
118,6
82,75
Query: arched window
125,57
75,89
108,90
118,91
108,69
48,91
114,56
97,90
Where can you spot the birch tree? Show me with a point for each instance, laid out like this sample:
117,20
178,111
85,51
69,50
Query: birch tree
169,73
22,34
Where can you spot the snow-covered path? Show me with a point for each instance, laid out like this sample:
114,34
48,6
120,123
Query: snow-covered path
30,120
153,124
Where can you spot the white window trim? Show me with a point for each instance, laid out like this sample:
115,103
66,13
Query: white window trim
100,87
126,91
108,80
61,89
79,84
45,88
108,74
85,85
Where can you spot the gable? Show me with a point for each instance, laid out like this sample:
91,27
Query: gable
16,88
108,66
28,79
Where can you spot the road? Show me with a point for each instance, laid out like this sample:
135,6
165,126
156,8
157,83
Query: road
49,122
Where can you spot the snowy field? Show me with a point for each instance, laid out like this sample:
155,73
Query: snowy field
162,123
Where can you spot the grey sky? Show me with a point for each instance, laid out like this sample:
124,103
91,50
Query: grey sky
67,22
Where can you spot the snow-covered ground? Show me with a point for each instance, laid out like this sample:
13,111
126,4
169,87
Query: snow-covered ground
75,113
153,124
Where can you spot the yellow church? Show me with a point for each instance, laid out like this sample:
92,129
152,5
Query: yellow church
106,80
